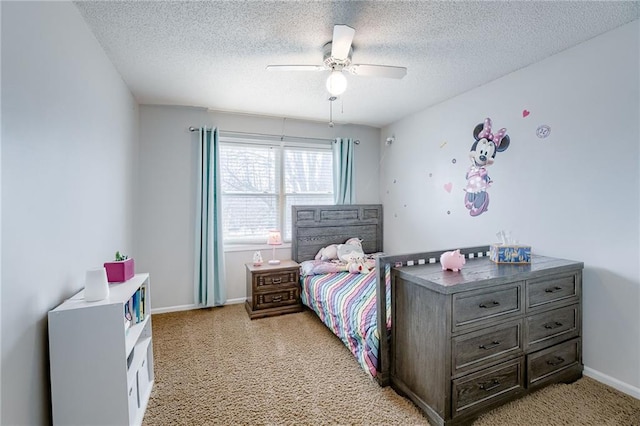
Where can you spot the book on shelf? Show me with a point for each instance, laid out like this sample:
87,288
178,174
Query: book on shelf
127,316
143,291
135,309
136,305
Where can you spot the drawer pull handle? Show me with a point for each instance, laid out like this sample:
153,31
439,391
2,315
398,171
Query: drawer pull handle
552,290
276,280
488,305
490,385
491,345
552,325
276,298
557,361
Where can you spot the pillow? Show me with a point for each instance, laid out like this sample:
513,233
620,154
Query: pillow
317,267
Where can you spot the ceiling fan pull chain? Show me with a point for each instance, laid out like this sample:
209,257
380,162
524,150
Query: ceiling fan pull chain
331,99
330,113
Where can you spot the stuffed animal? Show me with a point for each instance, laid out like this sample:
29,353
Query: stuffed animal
452,260
329,252
354,242
354,257
349,252
342,252
357,266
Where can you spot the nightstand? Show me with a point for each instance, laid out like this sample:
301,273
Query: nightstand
273,289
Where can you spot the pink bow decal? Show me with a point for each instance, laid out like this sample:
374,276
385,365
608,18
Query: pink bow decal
486,133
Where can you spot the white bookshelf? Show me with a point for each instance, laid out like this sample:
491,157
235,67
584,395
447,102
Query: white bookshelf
101,370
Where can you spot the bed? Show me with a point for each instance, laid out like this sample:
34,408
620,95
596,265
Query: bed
315,227
346,303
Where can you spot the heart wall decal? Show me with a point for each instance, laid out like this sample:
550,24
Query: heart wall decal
448,186
525,113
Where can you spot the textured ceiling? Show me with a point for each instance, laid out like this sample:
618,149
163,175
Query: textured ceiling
214,54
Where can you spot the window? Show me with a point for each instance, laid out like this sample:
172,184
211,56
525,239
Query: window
261,180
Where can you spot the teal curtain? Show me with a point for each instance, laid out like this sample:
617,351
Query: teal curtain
209,277
343,156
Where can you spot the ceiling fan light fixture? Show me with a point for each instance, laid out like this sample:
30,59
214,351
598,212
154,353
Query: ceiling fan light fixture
336,83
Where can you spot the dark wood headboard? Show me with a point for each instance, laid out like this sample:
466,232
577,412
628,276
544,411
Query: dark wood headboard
315,227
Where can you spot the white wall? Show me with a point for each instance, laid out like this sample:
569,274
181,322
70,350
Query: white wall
165,209
572,195
69,144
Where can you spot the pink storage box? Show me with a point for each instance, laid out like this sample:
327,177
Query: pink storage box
119,271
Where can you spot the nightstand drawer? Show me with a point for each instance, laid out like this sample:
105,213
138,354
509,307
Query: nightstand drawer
473,307
279,278
265,300
273,289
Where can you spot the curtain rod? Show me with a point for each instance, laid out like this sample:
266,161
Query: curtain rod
229,133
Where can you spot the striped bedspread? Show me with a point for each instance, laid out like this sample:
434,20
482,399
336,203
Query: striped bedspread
346,303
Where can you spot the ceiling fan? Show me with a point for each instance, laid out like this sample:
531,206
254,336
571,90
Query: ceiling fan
337,58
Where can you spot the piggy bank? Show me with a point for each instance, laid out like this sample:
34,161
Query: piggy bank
452,260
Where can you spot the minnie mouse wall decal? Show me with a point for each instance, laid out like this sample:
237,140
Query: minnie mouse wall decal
483,153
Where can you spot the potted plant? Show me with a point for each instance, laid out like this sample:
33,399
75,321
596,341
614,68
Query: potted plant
119,270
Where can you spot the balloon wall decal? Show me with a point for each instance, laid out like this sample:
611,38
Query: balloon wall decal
543,131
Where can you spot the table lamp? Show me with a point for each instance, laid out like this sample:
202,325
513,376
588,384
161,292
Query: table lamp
274,239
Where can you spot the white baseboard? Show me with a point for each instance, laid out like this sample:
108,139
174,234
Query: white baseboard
172,309
614,383
189,307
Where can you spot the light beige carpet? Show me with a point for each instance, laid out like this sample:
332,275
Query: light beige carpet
215,366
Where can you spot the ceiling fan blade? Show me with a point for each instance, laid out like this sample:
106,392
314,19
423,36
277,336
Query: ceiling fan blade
341,43
385,71
295,68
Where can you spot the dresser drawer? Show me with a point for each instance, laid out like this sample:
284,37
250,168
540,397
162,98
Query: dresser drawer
551,327
272,299
486,345
544,365
482,389
474,307
557,288
279,278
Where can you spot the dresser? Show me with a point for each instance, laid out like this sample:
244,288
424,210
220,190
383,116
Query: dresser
466,342
273,289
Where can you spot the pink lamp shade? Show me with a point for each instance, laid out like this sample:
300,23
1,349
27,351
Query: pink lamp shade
274,239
